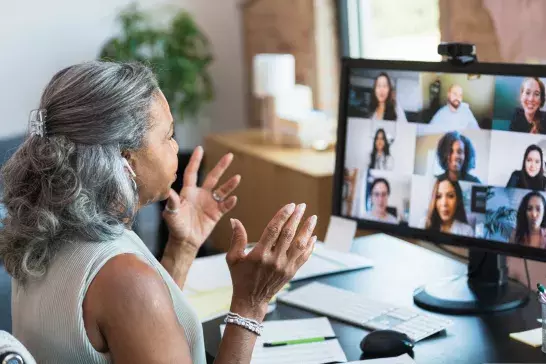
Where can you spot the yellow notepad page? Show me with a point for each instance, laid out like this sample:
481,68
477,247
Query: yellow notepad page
529,337
215,303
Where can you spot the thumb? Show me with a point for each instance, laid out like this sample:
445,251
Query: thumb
238,241
173,201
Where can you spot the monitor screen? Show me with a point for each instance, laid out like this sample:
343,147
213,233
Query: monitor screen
444,153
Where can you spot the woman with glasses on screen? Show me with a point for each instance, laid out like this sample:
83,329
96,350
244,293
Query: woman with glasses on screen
531,175
383,105
528,118
379,192
381,158
446,209
456,156
531,222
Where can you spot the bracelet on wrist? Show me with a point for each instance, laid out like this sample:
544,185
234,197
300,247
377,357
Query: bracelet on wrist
249,324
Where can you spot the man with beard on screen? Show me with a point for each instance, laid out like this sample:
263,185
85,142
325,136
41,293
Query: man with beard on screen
456,114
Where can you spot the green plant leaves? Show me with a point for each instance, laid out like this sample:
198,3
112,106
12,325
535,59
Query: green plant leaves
179,54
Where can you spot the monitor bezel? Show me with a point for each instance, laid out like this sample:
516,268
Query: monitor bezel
494,69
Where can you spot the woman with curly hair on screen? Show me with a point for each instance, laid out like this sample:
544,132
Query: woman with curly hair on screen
457,157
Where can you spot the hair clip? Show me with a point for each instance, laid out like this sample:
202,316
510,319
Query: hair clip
37,122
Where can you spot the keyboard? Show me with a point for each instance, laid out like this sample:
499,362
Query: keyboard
361,311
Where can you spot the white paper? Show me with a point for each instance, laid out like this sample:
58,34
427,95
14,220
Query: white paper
340,234
326,261
210,273
402,359
283,330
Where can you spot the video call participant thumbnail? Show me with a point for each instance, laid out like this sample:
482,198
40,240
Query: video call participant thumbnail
383,105
531,176
456,114
379,198
456,156
446,211
380,157
531,222
528,118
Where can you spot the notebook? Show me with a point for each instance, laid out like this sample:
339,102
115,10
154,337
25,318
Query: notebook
326,351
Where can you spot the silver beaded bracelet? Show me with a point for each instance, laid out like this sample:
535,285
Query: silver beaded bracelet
249,324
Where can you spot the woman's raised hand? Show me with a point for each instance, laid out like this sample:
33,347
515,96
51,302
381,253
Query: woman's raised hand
259,274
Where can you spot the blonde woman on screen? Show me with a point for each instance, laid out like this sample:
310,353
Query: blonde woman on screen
446,210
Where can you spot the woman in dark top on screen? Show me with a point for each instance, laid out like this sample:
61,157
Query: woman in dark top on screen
531,175
457,157
528,118
381,158
531,222
383,105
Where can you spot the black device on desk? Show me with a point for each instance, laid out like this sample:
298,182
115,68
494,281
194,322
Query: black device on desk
386,343
472,170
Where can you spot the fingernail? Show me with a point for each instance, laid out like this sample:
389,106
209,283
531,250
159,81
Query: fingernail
301,207
232,223
291,207
314,219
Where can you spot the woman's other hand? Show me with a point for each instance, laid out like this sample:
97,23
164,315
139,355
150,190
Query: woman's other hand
195,211
280,252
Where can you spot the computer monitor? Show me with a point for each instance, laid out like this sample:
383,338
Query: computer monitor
453,155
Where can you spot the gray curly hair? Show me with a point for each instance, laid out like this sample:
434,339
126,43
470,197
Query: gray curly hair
71,185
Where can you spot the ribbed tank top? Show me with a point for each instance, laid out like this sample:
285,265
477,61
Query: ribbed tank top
47,314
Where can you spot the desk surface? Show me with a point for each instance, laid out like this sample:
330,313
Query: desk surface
399,268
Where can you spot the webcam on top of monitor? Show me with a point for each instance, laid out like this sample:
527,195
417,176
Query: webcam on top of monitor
459,54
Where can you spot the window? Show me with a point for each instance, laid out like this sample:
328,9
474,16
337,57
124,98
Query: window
391,29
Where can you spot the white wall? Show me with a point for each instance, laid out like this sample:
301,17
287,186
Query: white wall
507,150
41,37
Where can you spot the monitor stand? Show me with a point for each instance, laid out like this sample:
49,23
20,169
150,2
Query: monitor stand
485,288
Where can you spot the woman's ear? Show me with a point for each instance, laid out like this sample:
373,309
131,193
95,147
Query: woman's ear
127,159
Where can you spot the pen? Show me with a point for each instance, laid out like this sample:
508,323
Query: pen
298,341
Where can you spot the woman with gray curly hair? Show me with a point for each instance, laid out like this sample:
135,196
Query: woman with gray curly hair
85,287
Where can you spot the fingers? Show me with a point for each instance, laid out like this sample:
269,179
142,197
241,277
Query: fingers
272,231
309,247
216,173
299,245
173,203
190,173
238,242
289,231
228,204
227,188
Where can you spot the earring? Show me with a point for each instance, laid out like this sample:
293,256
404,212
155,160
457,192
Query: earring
133,174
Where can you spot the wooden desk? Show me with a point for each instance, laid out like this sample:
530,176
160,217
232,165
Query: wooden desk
272,176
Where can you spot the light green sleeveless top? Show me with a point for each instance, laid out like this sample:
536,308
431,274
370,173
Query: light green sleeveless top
47,314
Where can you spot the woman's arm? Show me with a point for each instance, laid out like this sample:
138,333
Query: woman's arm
177,259
128,313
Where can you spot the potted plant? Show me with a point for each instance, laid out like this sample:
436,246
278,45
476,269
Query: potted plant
180,55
